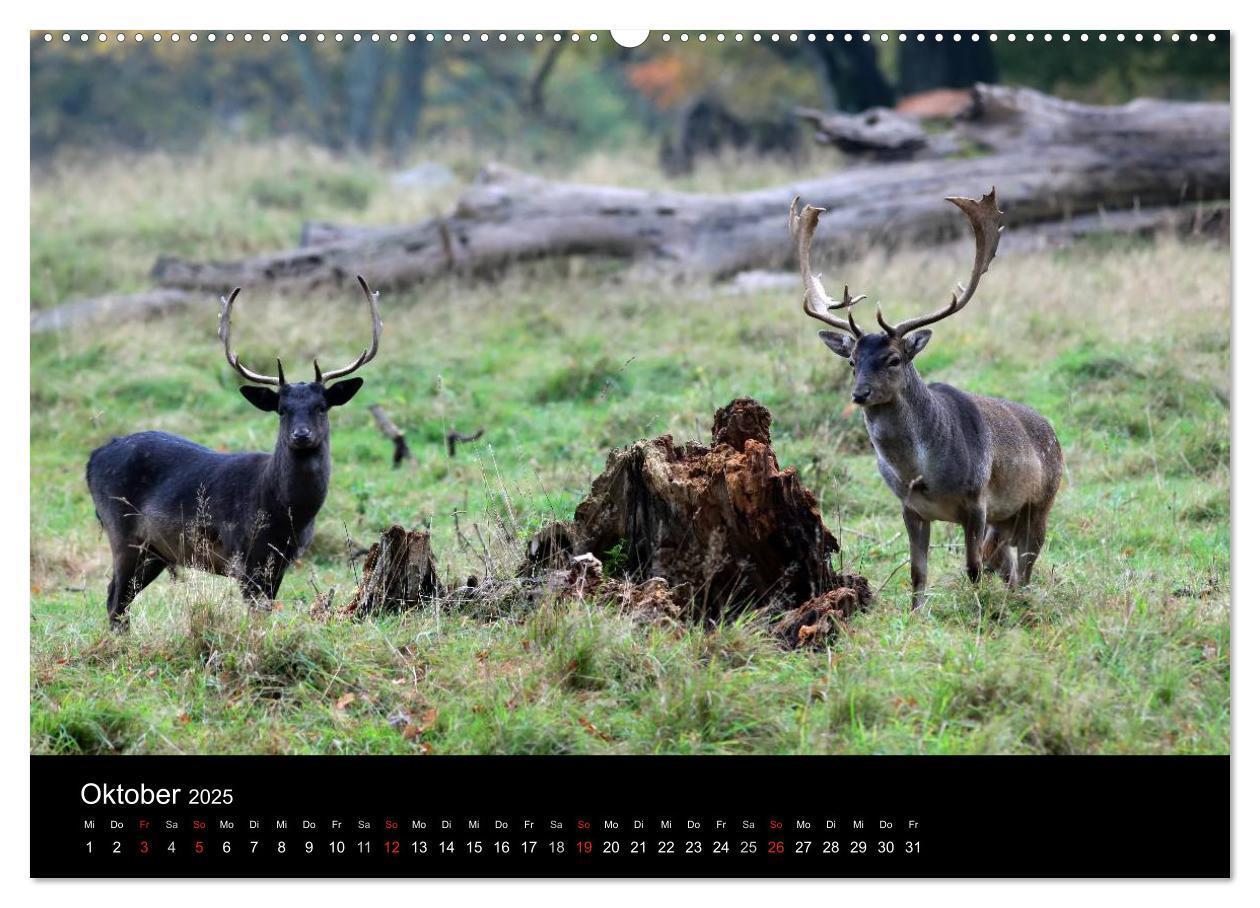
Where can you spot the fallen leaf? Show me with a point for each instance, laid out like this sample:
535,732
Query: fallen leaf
483,655
344,700
183,718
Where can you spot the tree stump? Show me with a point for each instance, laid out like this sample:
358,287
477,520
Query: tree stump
398,574
724,526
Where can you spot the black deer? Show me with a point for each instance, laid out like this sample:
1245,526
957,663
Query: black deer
986,463
165,501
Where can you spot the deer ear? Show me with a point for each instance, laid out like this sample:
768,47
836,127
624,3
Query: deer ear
263,398
340,393
916,341
837,343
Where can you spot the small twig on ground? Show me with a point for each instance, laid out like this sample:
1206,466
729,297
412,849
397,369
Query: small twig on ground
858,533
890,576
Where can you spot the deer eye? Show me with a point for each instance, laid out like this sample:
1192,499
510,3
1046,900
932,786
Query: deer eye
893,361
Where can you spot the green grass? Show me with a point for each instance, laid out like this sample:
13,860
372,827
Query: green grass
1121,644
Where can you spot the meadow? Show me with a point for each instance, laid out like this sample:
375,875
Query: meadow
1120,645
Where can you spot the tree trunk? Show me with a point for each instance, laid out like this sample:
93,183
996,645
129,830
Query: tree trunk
315,89
536,97
851,76
363,90
929,64
409,100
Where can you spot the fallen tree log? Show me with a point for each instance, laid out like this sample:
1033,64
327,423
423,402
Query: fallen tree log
121,307
1053,159
1206,221
1000,119
883,134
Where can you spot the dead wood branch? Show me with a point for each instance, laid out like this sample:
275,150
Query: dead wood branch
393,433
454,438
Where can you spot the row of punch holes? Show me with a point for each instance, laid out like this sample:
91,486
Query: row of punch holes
522,37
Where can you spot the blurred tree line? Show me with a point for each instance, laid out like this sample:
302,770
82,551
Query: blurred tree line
548,98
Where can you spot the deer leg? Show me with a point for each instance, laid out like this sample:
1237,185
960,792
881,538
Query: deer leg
973,535
920,533
134,569
259,587
1029,539
256,592
996,552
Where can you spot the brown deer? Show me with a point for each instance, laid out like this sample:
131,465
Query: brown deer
986,463
165,501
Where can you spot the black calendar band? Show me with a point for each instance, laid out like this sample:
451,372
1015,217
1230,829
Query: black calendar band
891,816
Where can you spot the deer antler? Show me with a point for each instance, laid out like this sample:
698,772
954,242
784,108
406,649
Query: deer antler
225,335
802,222
983,214
370,353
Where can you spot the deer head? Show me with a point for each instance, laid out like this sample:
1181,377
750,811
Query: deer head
302,406
881,360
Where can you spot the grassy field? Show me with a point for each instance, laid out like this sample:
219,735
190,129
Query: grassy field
1121,644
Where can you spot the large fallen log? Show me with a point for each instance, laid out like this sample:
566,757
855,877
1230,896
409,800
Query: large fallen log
119,307
1001,119
1053,159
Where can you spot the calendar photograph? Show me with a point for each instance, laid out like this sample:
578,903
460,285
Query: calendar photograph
424,394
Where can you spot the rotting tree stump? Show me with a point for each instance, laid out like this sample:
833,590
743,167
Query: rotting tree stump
724,525
399,574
